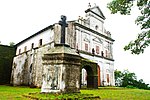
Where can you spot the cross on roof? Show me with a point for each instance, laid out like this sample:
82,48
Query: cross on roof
63,24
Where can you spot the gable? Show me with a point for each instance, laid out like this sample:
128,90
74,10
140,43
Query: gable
97,11
98,40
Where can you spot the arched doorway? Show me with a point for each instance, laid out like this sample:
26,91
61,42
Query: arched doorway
90,69
84,78
87,75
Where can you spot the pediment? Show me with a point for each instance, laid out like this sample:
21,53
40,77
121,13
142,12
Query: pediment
98,40
97,11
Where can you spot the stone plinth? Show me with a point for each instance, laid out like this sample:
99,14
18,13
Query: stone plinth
61,72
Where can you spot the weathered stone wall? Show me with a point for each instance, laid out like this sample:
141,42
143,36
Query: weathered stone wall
6,57
27,67
38,66
73,79
61,70
70,36
57,31
18,69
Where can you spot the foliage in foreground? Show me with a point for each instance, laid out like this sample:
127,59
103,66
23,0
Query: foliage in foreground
129,80
105,93
124,8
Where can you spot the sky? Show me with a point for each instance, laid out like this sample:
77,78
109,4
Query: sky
20,19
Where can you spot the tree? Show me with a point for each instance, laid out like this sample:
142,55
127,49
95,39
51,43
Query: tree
124,7
124,78
128,79
11,44
118,78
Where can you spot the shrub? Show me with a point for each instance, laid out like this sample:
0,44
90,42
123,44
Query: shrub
131,87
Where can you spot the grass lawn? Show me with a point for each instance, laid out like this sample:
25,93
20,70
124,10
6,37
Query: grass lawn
120,93
16,93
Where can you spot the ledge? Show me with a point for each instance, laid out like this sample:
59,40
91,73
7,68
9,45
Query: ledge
88,53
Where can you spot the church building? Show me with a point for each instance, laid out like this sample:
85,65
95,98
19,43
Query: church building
87,36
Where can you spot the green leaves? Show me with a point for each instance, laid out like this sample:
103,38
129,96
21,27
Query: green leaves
141,3
124,7
126,79
137,46
11,44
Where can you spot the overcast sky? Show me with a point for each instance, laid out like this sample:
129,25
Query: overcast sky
20,19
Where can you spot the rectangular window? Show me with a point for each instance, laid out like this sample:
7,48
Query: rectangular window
97,49
107,78
102,53
25,48
32,45
19,51
86,46
106,53
40,42
77,46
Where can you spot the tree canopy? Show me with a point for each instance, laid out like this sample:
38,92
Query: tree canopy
124,7
11,44
129,79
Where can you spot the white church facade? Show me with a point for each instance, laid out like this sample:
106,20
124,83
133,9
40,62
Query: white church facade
86,35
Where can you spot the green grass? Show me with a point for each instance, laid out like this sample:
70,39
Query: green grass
60,96
106,93
15,93
120,93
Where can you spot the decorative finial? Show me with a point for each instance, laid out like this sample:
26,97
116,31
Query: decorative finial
79,17
89,5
